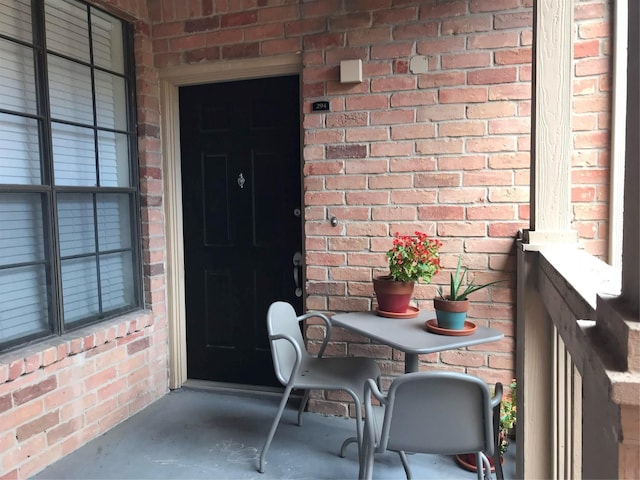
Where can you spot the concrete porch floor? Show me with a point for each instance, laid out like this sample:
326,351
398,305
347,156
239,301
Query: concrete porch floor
194,433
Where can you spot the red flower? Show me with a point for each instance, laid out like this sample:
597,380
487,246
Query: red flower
412,258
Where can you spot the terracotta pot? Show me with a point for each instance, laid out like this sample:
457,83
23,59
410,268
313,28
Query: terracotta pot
392,296
468,462
451,314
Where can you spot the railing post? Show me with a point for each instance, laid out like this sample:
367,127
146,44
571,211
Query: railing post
550,201
533,372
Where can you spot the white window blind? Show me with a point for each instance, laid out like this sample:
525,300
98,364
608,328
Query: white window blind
113,150
23,290
17,81
79,289
74,157
70,91
67,28
15,20
19,144
107,41
117,280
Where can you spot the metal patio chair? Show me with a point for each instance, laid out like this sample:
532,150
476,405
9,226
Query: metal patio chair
431,412
296,368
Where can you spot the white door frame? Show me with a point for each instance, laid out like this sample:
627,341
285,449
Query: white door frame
170,79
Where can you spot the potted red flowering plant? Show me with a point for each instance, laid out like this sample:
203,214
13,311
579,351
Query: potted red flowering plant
412,258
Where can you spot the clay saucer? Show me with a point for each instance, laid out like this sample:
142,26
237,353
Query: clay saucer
468,329
412,312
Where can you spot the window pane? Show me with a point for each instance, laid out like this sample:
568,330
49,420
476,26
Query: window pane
108,49
17,82
79,289
70,91
74,158
21,231
15,20
76,224
114,222
111,101
113,154
23,302
19,150
116,275
67,30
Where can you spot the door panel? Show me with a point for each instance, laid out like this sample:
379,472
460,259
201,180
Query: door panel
241,182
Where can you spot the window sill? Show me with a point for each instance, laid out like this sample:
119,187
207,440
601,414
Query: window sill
30,358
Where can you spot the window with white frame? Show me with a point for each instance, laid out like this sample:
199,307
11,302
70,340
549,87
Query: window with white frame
69,241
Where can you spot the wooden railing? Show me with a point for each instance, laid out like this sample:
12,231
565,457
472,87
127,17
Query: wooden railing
578,415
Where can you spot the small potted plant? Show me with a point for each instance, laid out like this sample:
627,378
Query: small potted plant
451,310
412,258
506,432
508,414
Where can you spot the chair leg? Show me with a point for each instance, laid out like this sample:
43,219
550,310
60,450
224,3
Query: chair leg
358,438
479,466
359,431
359,422
303,404
487,468
366,454
347,442
274,425
497,461
405,464
483,466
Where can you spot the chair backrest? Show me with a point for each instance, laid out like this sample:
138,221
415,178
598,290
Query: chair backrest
438,412
282,320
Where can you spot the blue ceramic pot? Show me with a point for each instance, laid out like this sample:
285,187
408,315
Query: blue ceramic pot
451,315
451,320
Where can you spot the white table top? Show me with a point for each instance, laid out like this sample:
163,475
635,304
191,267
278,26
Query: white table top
410,335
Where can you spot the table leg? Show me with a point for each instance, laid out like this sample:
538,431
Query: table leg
411,362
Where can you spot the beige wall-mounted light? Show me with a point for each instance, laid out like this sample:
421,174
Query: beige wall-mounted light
351,71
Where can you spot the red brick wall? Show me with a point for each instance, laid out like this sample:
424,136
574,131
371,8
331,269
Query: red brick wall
593,49
445,151
57,395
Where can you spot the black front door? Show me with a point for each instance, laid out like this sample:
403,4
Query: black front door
241,193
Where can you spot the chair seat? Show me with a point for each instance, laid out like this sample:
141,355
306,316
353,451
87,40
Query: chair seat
336,373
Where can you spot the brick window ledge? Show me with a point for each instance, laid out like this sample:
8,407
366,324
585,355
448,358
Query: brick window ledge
27,359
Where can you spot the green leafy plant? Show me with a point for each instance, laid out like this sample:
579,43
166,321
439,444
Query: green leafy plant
458,288
507,417
414,257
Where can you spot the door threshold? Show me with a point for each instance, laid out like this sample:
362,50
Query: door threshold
236,388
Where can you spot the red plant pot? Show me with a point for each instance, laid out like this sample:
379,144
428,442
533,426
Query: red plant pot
468,461
392,296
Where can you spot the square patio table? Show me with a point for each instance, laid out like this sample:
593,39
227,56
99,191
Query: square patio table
410,335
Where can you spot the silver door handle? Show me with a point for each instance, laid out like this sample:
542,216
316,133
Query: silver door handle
297,265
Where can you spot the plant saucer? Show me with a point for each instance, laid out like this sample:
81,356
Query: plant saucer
412,312
468,329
